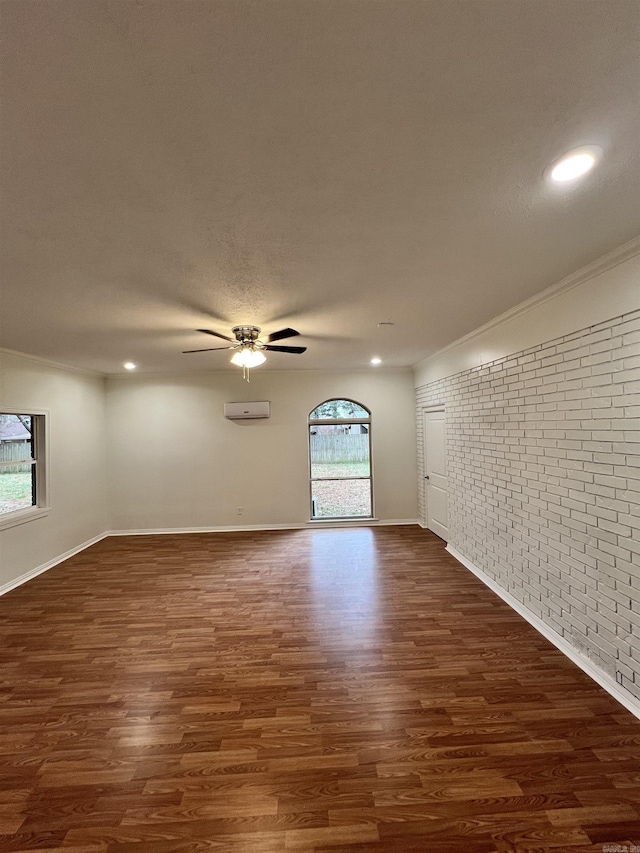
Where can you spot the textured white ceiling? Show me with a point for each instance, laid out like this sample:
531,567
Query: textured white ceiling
324,165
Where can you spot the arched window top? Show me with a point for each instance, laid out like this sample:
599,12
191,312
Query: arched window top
340,410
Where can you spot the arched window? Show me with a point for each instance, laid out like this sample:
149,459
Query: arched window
340,460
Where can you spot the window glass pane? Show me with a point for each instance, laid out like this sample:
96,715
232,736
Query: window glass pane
17,481
341,498
338,410
17,487
339,450
340,460
16,437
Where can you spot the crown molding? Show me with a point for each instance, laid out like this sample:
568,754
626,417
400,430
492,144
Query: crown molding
606,262
324,371
172,374
50,363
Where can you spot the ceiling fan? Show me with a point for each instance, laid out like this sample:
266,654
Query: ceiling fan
248,346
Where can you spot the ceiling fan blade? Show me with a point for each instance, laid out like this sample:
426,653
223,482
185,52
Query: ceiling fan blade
281,335
209,349
285,349
216,335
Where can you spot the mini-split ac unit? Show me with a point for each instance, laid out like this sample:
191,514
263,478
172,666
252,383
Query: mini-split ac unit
240,411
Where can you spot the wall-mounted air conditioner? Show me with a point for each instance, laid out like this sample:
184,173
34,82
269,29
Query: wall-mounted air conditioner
240,411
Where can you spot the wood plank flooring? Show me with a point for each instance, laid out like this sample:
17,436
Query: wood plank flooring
329,690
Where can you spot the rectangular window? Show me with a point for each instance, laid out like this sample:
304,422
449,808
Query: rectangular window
22,468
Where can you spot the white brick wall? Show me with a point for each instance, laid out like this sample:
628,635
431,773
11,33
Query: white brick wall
543,453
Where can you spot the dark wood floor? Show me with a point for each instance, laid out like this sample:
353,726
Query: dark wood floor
327,690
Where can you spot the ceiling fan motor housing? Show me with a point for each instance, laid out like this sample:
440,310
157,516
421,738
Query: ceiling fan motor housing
246,334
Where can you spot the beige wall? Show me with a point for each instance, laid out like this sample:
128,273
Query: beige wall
176,462
77,462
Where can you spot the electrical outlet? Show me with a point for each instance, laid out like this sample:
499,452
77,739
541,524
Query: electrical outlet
240,510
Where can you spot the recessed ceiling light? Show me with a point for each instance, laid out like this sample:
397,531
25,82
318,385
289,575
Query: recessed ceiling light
129,365
574,164
376,360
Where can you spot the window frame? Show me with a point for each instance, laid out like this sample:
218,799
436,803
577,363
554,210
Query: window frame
40,423
311,422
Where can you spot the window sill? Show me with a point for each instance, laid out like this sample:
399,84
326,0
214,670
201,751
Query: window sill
21,516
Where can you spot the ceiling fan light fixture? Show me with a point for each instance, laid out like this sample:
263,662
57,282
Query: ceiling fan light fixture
248,357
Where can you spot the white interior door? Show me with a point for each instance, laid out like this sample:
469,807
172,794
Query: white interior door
435,473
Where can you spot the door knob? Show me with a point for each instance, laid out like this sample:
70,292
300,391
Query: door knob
426,476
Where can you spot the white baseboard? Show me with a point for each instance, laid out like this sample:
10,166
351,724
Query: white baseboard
7,587
237,528
586,665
